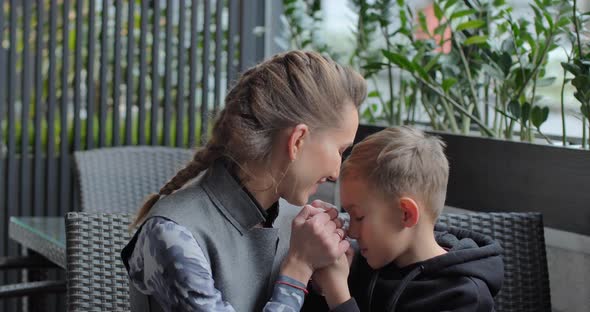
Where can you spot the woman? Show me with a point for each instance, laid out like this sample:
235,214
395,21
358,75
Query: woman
207,240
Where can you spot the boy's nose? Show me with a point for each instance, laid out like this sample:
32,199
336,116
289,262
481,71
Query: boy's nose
352,232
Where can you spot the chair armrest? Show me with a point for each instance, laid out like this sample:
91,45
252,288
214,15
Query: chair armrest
25,262
31,288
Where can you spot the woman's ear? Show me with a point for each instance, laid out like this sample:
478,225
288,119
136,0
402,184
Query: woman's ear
297,136
410,211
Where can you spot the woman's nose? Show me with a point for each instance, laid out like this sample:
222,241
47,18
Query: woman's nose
335,174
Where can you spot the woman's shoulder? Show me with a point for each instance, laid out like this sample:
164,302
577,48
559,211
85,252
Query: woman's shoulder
162,234
181,203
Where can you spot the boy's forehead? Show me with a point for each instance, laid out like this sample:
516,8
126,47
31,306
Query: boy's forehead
350,208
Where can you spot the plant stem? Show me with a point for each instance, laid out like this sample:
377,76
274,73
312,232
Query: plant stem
486,102
466,123
528,122
584,132
402,101
544,136
496,128
576,28
389,72
431,116
543,55
456,105
467,69
381,100
563,132
413,100
450,115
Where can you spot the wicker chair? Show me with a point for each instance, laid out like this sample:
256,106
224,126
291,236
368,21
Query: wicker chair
96,277
117,179
526,278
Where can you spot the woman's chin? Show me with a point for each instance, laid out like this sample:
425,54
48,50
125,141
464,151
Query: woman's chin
297,199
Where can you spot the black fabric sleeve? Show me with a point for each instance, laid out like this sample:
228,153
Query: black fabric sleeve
348,306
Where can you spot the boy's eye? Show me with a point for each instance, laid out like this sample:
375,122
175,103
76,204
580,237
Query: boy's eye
359,219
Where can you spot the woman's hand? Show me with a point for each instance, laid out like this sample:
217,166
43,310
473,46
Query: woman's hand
316,242
333,280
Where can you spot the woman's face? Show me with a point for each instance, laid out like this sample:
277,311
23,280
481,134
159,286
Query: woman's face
319,159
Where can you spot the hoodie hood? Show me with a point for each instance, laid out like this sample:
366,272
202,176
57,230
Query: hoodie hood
471,269
469,254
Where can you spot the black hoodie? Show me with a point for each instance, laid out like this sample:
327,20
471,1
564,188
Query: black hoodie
466,278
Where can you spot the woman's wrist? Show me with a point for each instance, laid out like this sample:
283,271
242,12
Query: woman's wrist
296,269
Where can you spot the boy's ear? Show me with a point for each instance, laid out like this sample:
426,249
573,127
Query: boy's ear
410,211
297,135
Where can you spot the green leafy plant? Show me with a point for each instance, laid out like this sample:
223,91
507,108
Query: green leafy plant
579,66
487,81
302,21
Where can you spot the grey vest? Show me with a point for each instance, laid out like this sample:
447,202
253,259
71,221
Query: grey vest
245,259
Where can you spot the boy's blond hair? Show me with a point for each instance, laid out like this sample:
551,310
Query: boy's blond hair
402,161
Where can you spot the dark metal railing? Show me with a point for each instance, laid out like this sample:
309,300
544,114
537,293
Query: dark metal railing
86,74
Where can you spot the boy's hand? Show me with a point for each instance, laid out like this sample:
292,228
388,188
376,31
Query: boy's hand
333,280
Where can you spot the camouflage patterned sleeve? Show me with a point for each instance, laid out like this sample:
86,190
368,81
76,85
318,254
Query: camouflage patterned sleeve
168,264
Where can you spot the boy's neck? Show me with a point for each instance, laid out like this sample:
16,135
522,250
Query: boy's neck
422,247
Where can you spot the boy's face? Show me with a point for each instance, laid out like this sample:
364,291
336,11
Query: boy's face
375,222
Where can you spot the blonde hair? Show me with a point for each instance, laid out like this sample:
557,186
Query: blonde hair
288,89
402,161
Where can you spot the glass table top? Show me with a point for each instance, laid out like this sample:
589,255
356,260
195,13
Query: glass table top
52,229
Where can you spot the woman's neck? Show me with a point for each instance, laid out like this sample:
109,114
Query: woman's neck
263,190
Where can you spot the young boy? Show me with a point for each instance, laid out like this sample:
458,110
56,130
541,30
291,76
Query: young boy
393,185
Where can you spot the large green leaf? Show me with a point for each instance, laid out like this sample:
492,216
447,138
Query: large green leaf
450,3
399,60
438,12
514,108
539,115
473,24
433,61
476,40
373,94
448,84
463,13
505,62
493,71
545,82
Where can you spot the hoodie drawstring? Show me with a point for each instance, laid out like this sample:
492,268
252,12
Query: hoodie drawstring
398,293
374,278
402,286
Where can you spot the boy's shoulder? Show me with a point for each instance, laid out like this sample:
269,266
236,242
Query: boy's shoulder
466,278
416,290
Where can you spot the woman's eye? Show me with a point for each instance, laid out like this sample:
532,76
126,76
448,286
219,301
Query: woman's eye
359,219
